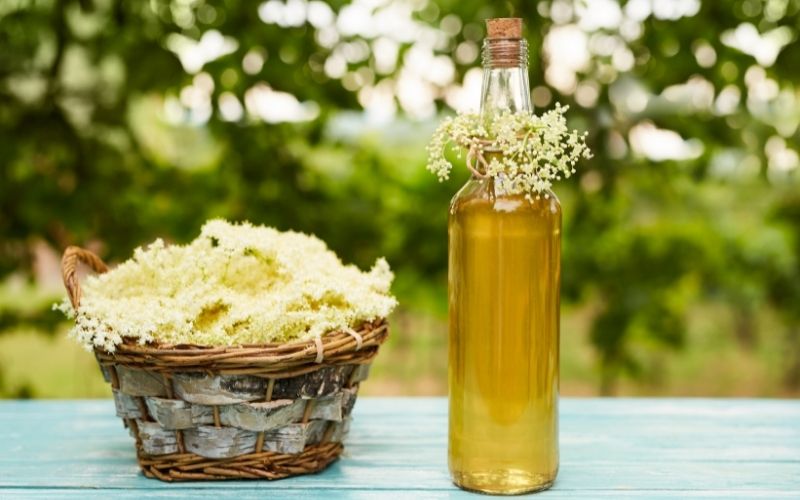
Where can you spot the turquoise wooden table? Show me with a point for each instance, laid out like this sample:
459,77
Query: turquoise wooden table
610,448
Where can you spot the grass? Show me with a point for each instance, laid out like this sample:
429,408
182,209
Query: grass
39,365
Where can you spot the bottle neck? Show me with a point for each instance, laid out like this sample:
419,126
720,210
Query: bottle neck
505,77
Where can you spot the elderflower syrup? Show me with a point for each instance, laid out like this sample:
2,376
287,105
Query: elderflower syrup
504,277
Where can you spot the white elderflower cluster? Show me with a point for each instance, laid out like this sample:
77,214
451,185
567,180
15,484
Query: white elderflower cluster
234,284
524,151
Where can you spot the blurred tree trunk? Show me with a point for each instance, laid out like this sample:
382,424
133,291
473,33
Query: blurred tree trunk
608,379
744,327
792,376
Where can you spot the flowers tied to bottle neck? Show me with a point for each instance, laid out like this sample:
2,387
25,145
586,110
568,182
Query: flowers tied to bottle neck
523,152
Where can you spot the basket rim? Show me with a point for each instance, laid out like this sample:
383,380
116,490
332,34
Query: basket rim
271,360
133,344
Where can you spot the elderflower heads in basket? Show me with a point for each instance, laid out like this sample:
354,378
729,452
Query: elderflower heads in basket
235,284
523,152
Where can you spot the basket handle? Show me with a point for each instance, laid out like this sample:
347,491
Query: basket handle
69,270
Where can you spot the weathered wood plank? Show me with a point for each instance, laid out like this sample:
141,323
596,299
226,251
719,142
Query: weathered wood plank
155,440
219,442
328,407
348,400
340,430
178,414
319,383
106,373
323,382
360,373
170,413
292,438
227,442
249,490
262,416
231,389
140,383
204,389
620,448
126,406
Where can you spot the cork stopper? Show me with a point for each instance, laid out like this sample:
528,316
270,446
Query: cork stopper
504,46
503,27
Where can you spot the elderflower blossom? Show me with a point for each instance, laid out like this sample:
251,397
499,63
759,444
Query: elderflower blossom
525,151
232,285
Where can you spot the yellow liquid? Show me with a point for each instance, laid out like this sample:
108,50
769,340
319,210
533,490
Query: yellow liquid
504,283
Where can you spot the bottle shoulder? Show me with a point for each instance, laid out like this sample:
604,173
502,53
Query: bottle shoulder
478,195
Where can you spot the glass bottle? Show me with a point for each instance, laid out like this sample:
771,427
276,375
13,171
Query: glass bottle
504,278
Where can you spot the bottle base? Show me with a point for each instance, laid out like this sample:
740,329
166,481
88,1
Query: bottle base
502,482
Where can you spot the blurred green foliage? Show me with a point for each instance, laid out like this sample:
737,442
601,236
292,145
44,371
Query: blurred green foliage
104,141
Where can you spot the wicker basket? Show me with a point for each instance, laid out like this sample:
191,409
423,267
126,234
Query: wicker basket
254,411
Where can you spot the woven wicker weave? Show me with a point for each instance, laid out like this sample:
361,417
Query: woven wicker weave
254,411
